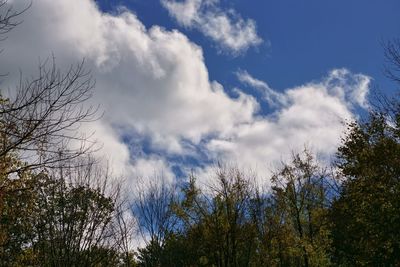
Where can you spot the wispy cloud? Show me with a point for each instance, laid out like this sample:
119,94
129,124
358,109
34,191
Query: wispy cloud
357,85
272,97
227,28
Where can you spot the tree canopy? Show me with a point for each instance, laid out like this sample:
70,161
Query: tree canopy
59,207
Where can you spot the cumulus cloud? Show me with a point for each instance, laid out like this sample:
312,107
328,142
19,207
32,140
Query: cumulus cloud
148,81
154,83
311,115
225,27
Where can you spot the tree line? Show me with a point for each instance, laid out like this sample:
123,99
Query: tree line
59,207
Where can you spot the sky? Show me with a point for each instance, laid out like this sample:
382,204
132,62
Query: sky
323,34
186,84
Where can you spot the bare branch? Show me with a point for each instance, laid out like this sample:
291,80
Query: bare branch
41,120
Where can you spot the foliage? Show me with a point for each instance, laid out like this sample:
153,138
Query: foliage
231,223
58,208
300,197
367,214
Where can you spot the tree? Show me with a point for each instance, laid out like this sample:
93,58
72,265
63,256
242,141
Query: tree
16,202
392,54
366,215
153,211
64,217
298,208
73,216
56,208
9,17
233,223
217,225
41,119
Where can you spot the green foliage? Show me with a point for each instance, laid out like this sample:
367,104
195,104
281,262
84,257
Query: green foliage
49,222
54,213
232,224
71,223
16,228
220,224
299,207
367,214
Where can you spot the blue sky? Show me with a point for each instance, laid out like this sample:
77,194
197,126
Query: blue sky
186,84
303,40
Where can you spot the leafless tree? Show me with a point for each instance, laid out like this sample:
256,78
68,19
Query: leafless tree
392,54
383,105
125,227
9,16
41,119
153,209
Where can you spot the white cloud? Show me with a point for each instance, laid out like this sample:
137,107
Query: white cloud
154,83
154,167
311,115
149,81
356,86
272,97
111,151
225,27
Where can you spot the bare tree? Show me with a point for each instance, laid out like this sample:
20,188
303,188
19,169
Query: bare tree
384,105
392,54
153,209
125,227
40,121
9,16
